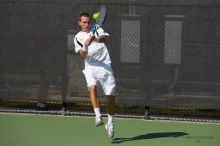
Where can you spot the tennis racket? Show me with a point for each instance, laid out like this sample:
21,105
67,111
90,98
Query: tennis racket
101,18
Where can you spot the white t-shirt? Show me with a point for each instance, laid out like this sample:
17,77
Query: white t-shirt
97,52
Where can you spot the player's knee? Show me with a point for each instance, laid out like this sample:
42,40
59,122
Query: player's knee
92,87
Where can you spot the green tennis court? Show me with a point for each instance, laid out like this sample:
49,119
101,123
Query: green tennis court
46,130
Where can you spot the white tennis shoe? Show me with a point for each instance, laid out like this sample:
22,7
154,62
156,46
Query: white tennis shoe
109,127
98,121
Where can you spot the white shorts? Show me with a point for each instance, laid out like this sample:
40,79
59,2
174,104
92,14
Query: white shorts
103,75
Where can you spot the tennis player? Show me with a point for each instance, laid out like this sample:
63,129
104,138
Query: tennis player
97,68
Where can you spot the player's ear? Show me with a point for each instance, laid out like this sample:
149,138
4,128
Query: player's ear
78,22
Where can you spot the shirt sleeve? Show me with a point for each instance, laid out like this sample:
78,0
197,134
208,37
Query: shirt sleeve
78,45
100,31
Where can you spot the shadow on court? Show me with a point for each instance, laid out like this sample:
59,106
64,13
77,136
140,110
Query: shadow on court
150,136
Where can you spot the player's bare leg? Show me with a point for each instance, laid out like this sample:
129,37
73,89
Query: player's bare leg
111,105
93,96
96,104
111,111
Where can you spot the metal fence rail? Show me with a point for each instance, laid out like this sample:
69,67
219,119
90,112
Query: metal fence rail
164,54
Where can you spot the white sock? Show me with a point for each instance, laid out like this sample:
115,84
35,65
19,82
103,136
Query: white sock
97,112
110,118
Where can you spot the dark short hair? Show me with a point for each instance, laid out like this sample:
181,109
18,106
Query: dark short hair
85,14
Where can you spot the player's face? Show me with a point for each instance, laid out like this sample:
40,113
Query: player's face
84,23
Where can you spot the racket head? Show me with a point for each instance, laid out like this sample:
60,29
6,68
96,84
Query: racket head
102,15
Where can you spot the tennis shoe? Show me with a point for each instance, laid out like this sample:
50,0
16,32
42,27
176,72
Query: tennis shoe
98,121
109,127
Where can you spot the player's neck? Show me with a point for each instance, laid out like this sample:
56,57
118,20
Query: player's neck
85,31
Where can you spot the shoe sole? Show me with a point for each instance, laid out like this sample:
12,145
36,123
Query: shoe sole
99,124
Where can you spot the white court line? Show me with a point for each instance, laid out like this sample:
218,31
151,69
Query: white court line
121,118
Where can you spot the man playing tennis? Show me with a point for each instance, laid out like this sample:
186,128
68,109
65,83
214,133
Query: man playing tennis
97,68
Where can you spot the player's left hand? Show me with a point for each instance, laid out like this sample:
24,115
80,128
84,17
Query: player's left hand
89,40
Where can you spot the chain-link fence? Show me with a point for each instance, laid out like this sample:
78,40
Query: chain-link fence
165,54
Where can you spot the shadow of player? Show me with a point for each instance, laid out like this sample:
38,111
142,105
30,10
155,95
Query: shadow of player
149,136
